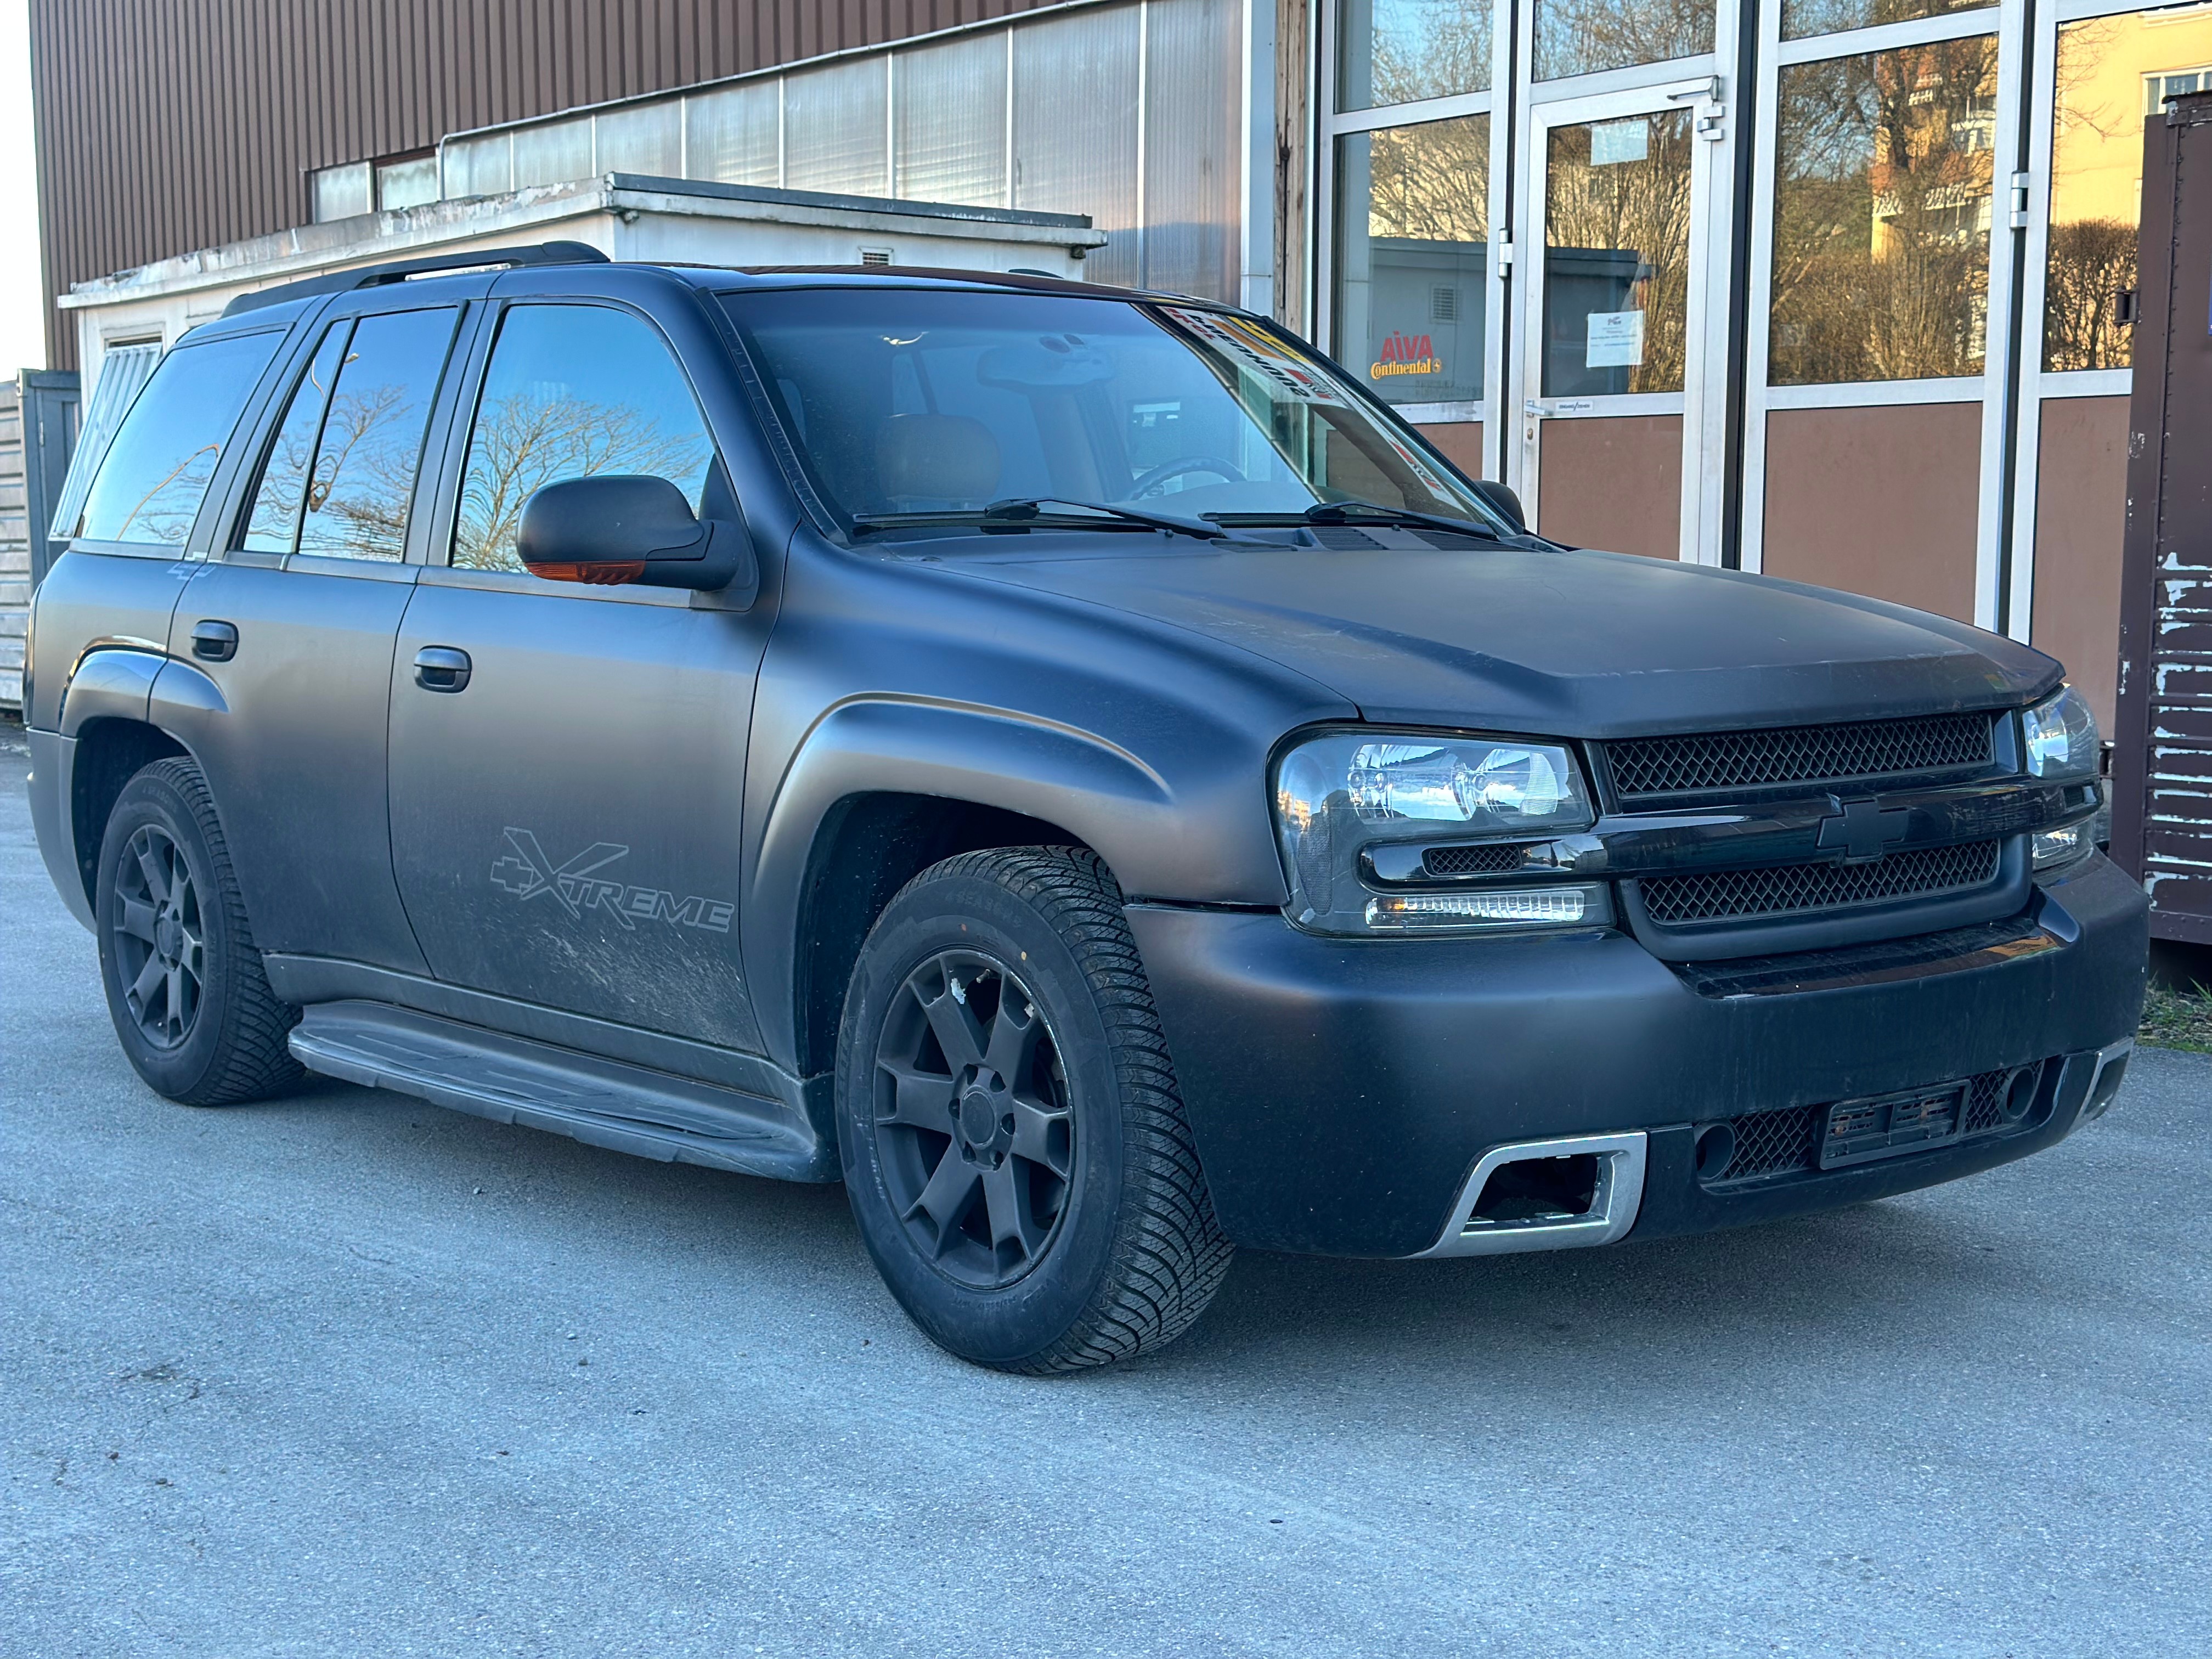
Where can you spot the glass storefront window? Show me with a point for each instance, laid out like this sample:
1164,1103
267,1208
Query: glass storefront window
2114,74
1413,258
1581,37
1399,52
1617,255
1800,18
1882,215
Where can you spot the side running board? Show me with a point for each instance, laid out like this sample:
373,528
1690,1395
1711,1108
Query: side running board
602,1103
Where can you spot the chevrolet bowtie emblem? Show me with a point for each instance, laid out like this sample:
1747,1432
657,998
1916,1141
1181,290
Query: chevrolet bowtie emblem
1862,829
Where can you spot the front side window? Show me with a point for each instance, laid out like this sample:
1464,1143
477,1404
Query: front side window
572,391
156,473
908,401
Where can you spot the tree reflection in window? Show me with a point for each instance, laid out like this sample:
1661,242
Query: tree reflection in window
1617,255
573,392
1581,37
2112,73
1881,216
1400,51
363,478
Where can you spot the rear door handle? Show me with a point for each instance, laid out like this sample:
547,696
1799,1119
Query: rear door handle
215,641
442,668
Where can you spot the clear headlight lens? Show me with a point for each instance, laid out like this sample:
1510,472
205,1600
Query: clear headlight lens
2060,733
2055,848
1340,793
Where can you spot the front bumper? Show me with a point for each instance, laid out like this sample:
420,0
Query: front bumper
1342,1090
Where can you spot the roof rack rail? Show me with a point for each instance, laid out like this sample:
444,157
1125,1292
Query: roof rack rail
398,271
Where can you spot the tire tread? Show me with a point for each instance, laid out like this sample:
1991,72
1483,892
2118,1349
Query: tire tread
1169,1254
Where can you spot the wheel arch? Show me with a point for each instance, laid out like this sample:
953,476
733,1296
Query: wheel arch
866,847
111,750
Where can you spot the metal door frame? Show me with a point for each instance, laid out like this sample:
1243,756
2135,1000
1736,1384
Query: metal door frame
1703,401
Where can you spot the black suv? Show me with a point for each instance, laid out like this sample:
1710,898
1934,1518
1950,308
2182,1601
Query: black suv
1068,761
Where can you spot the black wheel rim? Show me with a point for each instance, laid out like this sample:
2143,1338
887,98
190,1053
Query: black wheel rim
973,1130
160,944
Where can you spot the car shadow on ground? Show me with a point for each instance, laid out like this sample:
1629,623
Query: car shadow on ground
1642,1311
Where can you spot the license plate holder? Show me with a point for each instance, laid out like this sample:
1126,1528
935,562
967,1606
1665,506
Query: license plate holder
1891,1126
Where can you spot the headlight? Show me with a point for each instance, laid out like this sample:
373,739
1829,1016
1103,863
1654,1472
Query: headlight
2057,848
1339,796
2061,737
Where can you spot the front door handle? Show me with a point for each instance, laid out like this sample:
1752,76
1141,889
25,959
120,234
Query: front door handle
215,641
442,668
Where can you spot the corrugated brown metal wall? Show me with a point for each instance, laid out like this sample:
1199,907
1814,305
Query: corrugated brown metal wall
165,126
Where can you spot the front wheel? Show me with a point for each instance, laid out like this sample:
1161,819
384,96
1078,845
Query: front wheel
1015,1148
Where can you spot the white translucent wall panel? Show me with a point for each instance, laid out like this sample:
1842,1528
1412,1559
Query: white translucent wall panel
477,166
553,154
1193,105
834,136
730,136
647,138
1075,129
951,134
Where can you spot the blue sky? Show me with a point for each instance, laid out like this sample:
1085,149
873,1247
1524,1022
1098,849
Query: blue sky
23,333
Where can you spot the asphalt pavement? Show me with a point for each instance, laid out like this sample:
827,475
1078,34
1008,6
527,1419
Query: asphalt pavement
345,1374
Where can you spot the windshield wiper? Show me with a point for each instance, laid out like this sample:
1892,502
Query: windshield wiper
1356,512
1036,510
1359,511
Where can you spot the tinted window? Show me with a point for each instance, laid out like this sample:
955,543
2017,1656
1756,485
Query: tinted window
274,525
363,475
157,471
572,391
906,402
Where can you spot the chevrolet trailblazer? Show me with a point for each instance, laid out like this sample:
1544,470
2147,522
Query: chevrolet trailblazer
1066,761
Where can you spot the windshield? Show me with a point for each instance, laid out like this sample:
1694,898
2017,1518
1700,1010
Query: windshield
905,401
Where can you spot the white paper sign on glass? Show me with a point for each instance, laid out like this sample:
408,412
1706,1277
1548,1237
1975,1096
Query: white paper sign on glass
1613,141
1616,340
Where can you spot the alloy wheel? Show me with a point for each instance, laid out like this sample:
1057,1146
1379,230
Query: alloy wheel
159,948
971,1115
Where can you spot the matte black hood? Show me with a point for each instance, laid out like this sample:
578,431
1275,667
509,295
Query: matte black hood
1580,644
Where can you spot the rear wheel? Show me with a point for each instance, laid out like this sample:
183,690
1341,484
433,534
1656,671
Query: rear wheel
185,983
1016,1151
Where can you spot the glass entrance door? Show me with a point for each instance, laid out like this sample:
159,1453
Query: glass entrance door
1612,365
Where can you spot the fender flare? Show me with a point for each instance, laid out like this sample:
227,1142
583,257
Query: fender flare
978,756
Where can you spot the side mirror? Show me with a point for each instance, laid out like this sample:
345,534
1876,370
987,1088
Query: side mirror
613,529
1501,500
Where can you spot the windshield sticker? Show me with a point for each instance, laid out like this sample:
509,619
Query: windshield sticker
1255,349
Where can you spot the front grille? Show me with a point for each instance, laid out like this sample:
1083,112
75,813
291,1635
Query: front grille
1488,860
1789,1141
1859,751
1711,894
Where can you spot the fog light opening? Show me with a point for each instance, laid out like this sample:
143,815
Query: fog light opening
1716,1151
2020,1093
1532,1189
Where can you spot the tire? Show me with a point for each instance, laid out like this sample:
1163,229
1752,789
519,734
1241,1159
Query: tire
1015,1148
185,988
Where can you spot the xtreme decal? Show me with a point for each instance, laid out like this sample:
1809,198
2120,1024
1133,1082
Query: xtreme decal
527,873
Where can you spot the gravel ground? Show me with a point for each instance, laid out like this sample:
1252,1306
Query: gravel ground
344,1374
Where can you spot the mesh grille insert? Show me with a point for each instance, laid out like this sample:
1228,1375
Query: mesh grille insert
1487,861
1788,1141
1798,754
1789,887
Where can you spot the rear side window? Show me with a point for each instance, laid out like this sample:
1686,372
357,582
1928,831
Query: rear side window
572,391
340,470
157,471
